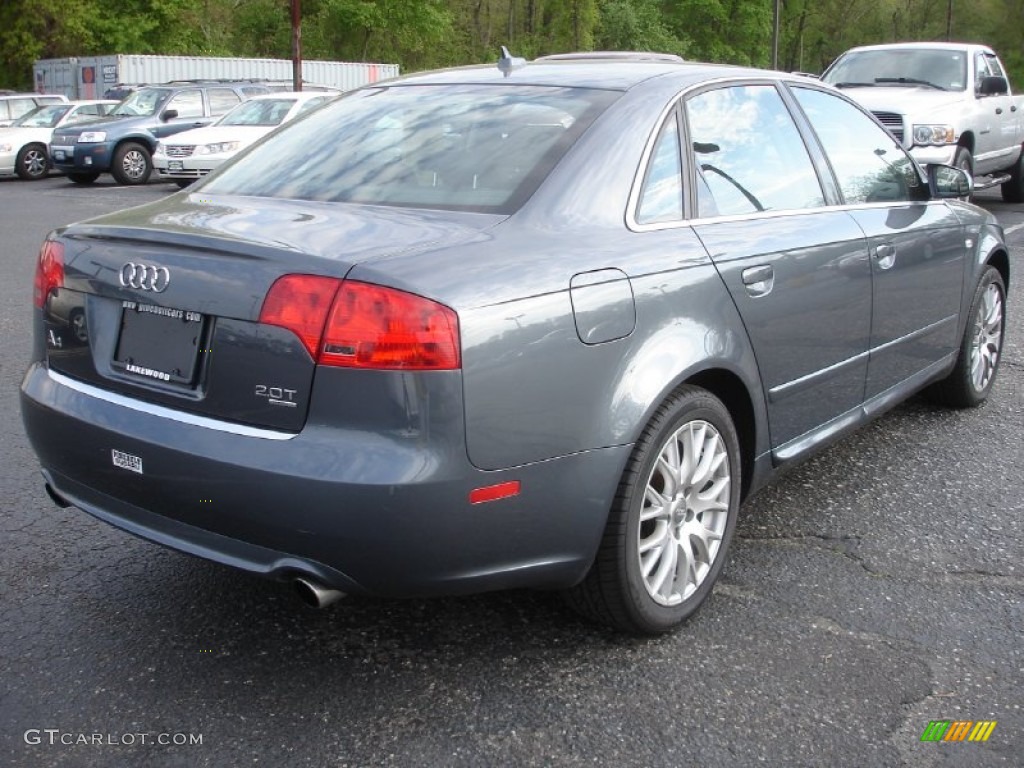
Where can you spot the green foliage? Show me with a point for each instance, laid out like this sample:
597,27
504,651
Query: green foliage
419,34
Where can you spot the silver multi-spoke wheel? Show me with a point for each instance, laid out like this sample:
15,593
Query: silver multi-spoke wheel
674,514
134,164
684,513
34,163
987,338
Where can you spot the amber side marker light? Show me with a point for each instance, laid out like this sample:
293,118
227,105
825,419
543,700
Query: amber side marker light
494,492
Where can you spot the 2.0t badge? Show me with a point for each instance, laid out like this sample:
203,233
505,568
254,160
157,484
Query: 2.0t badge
145,277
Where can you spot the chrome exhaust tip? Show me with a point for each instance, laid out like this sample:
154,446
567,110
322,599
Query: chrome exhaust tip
316,595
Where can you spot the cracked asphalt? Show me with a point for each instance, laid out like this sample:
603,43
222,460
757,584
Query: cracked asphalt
869,591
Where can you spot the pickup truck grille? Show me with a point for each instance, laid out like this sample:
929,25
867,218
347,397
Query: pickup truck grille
893,122
179,150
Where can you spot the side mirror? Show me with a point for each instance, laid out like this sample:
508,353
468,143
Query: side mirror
945,181
994,86
169,114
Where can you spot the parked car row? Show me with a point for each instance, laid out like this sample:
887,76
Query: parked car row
85,139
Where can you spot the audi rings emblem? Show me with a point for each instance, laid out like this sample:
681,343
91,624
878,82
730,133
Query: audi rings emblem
145,277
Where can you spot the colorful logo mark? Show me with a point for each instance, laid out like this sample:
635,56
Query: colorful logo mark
958,730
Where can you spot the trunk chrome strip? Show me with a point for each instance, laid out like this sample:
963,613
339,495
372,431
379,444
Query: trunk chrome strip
163,412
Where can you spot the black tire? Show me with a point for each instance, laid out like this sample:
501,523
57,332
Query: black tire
617,590
183,183
1013,190
964,159
131,164
977,363
83,178
32,163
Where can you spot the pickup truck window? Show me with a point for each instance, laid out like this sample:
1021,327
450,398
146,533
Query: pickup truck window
935,68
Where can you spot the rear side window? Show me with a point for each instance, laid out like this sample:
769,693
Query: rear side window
748,153
473,148
661,198
222,100
868,163
21,107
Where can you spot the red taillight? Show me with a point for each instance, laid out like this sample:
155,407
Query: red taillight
300,303
359,325
49,272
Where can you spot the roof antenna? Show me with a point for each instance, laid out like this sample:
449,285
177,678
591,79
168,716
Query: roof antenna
508,62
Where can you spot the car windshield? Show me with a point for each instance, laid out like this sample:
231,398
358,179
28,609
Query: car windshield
930,67
142,103
265,112
470,148
43,117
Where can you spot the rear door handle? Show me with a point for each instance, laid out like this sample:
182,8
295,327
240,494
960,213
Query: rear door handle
759,281
885,255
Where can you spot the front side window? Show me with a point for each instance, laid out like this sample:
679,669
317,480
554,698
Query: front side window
474,148
188,103
661,198
748,153
142,103
868,163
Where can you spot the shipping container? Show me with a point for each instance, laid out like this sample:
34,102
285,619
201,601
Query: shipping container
89,77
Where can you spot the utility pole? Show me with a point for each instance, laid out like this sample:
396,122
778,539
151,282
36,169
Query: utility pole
775,34
296,46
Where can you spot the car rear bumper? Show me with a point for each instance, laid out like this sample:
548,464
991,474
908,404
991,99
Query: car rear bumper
364,513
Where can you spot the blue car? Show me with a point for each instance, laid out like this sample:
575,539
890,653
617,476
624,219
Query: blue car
123,144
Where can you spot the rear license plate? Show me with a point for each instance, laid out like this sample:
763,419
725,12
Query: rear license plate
159,343
175,165
126,461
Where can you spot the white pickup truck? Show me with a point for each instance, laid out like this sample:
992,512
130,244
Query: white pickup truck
946,103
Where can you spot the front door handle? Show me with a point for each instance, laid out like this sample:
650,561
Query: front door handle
759,281
885,255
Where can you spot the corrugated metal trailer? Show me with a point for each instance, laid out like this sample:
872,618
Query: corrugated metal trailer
88,77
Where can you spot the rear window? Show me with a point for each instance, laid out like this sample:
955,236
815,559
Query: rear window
472,148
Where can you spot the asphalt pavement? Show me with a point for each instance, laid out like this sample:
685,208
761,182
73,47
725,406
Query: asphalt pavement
872,590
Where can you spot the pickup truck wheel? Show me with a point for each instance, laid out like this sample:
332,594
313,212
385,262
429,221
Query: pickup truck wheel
83,178
670,524
1013,190
132,164
32,162
963,160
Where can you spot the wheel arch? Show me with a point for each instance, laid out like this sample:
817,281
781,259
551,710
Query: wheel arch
967,140
1000,259
148,141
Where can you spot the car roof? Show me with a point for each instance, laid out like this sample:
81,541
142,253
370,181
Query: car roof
606,73
84,102
924,46
299,95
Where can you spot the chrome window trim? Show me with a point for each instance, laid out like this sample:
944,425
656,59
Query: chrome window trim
777,214
160,411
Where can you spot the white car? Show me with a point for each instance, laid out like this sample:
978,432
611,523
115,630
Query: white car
23,145
186,156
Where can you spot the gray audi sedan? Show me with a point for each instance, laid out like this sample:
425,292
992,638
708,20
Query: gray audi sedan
539,324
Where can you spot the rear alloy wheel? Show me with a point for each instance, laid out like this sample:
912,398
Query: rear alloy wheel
1013,190
32,162
972,378
83,178
132,164
672,520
